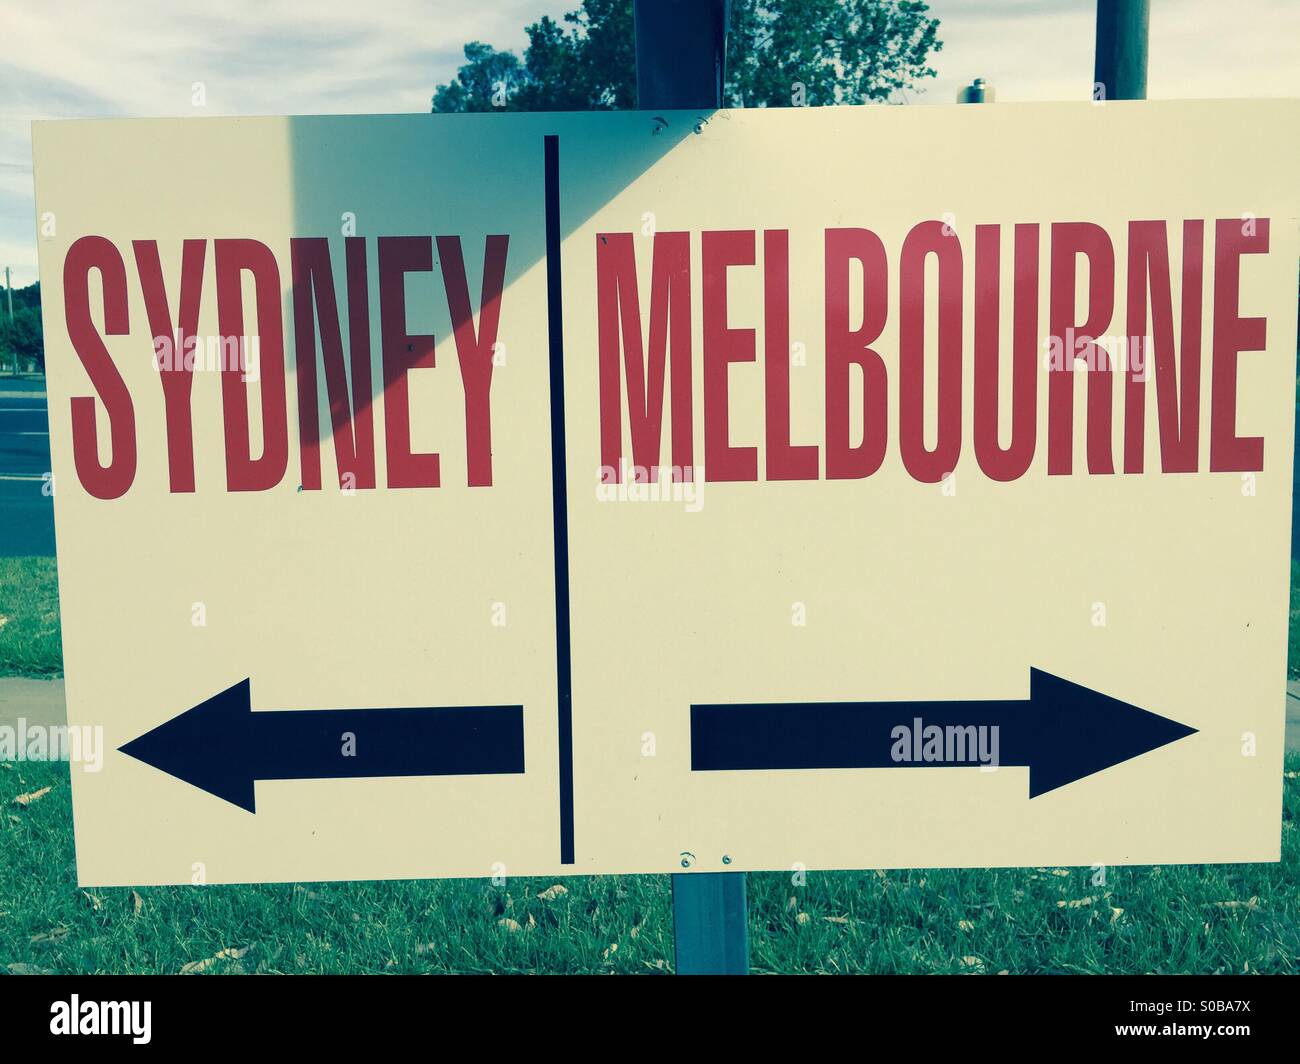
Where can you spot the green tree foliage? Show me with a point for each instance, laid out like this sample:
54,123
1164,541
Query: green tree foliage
22,336
585,63
779,52
840,51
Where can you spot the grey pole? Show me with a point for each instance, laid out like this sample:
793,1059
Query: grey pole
9,293
978,91
1120,71
710,923
681,52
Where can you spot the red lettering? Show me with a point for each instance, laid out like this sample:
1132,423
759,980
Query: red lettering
1178,387
398,256
723,346
925,239
1232,335
86,254
784,462
618,310
475,352
1069,240
243,471
847,347
352,423
1011,462
176,373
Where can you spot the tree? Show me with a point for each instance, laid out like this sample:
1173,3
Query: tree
21,336
586,64
779,53
820,52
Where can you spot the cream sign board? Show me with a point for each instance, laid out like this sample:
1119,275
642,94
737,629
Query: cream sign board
561,494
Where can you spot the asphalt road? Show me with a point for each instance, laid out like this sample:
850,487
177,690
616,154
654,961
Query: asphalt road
26,511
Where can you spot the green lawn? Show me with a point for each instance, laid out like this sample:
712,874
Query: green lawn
1211,918
1293,632
29,618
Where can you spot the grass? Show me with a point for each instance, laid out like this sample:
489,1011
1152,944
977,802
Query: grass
1293,630
1192,919
30,642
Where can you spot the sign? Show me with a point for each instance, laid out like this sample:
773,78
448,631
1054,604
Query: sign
545,494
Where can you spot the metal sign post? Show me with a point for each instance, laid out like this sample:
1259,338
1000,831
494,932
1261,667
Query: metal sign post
681,51
1120,71
710,927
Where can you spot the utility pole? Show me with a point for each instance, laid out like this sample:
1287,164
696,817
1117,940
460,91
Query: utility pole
681,53
1120,71
9,293
978,91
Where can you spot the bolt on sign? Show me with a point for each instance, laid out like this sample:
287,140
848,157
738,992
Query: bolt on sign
537,494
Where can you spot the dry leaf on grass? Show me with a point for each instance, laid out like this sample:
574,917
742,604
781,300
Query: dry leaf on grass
972,962
96,902
1249,906
802,918
137,902
551,893
836,919
54,934
194,967
966,925
510,925
34,796
19,968
1076,903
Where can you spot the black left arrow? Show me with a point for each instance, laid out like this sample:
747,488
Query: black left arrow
223,747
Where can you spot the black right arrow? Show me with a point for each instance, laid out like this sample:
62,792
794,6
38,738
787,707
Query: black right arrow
1062,732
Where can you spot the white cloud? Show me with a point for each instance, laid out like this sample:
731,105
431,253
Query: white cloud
62,59
65,59
1043,49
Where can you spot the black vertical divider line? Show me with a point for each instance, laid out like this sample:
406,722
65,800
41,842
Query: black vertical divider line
559,495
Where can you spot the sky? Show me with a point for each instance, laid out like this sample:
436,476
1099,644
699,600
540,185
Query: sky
65,59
